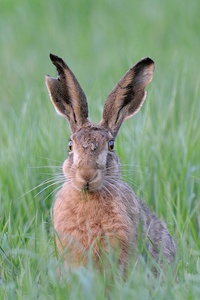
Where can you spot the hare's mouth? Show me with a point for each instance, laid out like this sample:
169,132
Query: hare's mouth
88,182
88,188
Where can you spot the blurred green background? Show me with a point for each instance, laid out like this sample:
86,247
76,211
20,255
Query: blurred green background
159,148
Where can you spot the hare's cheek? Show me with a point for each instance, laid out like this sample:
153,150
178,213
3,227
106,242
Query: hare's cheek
66,168
101,160
112,163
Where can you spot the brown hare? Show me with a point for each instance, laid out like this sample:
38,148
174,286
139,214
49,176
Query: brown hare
95,210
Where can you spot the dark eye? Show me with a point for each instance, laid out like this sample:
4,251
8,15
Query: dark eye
70,145
111,145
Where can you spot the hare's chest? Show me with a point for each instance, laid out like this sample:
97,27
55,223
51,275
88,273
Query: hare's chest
89,221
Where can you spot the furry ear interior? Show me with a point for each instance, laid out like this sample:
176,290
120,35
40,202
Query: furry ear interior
128,95
67,96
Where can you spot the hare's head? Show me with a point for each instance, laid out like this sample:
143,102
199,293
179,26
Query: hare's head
92,163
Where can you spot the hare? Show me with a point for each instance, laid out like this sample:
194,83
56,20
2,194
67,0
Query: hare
95,210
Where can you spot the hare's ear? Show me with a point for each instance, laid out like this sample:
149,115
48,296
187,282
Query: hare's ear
67,96
128,95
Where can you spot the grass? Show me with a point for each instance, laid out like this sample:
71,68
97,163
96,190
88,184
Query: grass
160,146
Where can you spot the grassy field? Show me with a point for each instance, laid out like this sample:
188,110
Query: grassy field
159,148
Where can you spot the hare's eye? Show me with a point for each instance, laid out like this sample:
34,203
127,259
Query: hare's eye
70,145
111,145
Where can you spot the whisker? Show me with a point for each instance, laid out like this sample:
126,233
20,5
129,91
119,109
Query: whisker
113,186
57,182
43,167
57,188
50,159
120,183
132,165
107,190
49,180
134,168
126,178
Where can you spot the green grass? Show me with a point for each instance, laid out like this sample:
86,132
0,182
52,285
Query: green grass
100,41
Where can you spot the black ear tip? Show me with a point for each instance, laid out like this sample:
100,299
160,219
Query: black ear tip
143,63
149,61
51,56
54,58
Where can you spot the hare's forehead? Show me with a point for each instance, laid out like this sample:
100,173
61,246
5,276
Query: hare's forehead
91,135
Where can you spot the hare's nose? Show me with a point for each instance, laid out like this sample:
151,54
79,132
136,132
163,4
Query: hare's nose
88,178
88,175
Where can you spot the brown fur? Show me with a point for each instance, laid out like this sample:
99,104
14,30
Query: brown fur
95,210
92,220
